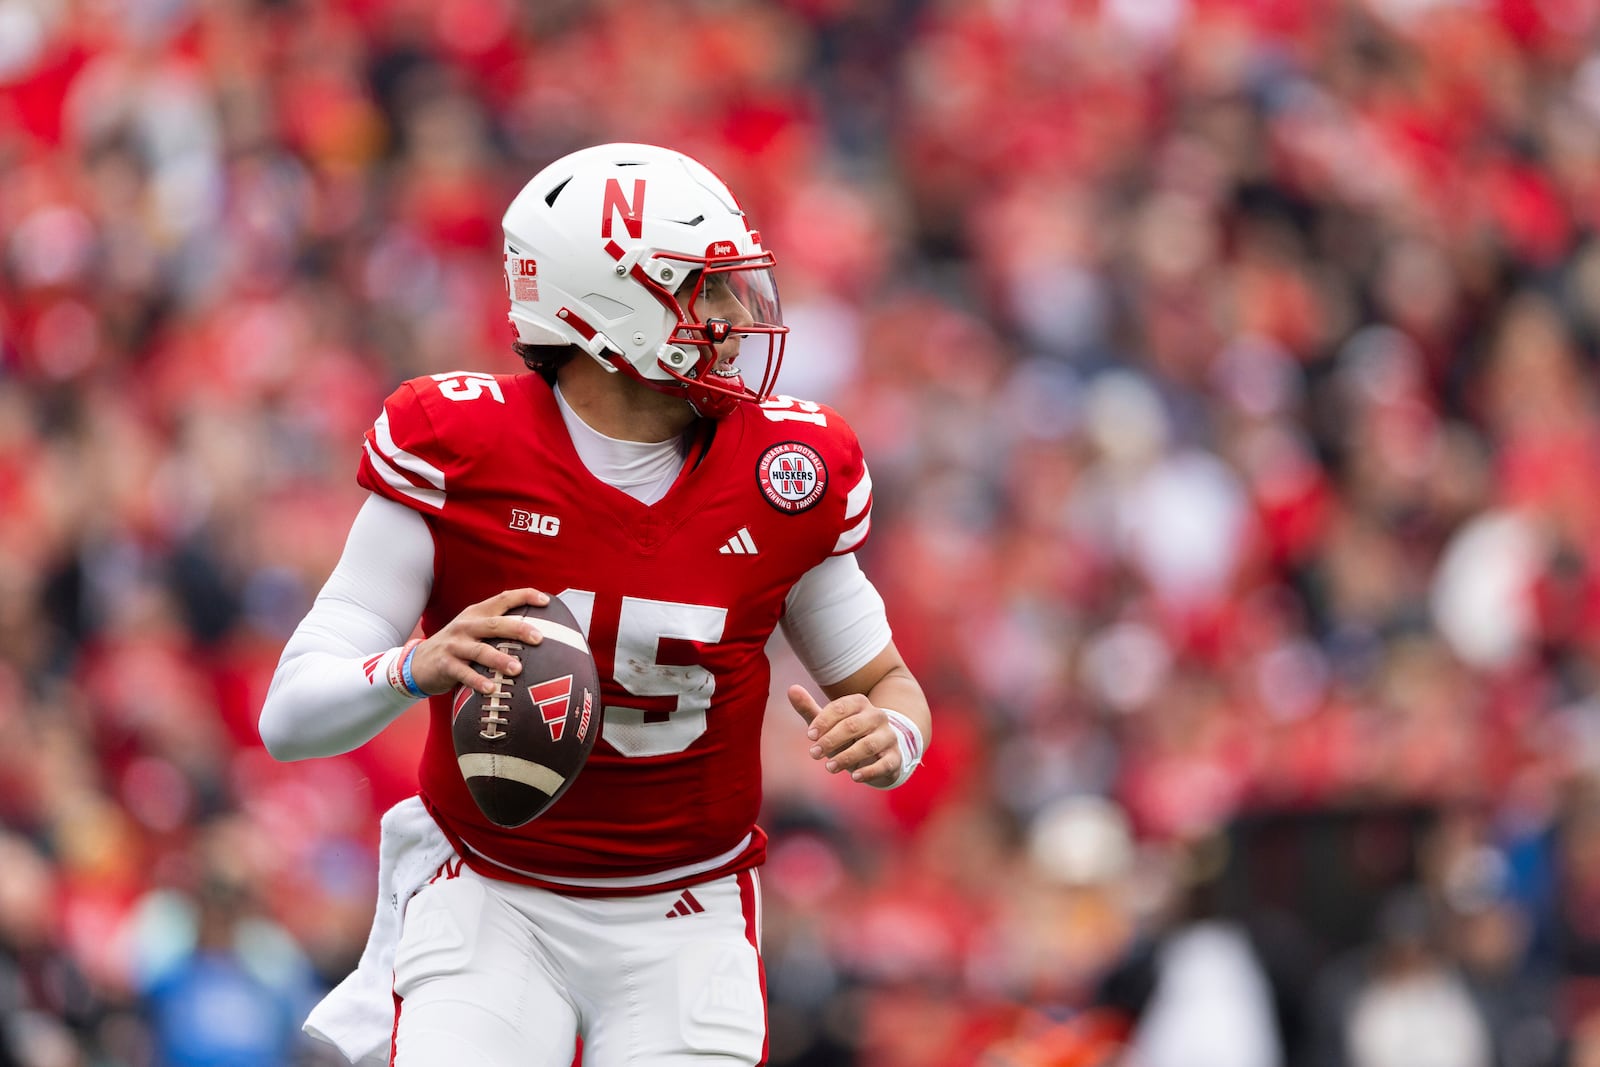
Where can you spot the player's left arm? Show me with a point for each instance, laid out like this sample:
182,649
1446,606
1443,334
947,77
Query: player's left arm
876,724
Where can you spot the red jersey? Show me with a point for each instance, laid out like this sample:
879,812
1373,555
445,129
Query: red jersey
677,598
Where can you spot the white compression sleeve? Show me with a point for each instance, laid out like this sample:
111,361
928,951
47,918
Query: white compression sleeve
835,620
323,700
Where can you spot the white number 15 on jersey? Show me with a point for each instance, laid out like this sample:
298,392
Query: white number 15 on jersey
641,625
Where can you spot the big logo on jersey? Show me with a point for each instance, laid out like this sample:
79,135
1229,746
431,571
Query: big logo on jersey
792,477
551,699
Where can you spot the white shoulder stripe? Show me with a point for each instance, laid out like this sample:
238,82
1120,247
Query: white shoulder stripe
401,458
860,496
853,537
566,635
434,498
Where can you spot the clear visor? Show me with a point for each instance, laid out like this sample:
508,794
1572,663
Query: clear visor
741,294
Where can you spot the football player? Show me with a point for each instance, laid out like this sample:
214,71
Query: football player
682,513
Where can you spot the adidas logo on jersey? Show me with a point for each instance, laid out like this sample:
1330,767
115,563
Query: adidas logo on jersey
686,905
740,544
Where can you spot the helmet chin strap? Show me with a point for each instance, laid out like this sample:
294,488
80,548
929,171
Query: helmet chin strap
708,402
715,403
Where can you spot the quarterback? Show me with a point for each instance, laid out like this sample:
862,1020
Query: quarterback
682,515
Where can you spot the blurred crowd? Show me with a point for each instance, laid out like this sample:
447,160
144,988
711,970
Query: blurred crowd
1226,368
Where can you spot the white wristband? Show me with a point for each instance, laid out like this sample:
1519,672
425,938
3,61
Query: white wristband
909,737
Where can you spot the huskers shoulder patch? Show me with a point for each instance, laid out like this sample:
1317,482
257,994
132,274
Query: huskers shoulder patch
792,477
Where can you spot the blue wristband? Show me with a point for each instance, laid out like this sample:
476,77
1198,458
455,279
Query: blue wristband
412,688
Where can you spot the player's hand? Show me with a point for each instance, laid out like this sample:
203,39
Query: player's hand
445,659
851,735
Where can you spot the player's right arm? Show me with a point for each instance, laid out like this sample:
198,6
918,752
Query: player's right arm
332,689
349,670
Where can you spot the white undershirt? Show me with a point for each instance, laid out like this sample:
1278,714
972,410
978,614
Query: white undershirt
321,701
645,470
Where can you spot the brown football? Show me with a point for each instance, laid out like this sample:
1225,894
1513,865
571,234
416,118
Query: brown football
521,746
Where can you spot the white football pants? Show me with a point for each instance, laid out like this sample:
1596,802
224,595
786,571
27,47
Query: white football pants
496,974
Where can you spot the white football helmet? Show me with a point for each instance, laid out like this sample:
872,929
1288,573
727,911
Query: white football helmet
642,257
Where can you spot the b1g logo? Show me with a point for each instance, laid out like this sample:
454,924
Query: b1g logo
522,278
533,522
792,477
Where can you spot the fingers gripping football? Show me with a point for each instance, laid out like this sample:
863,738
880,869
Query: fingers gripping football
852,735
520,745
445,660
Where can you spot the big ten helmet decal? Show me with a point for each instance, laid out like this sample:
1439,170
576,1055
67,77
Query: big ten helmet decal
642,257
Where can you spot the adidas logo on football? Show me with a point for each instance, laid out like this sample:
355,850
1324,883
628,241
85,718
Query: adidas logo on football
686,905
740,544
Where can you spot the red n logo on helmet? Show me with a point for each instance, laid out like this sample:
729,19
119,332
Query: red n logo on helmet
632,212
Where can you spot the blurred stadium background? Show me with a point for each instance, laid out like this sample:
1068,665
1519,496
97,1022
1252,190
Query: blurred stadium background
1227,370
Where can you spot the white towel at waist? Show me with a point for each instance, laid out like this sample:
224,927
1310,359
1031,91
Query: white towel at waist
357,1016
